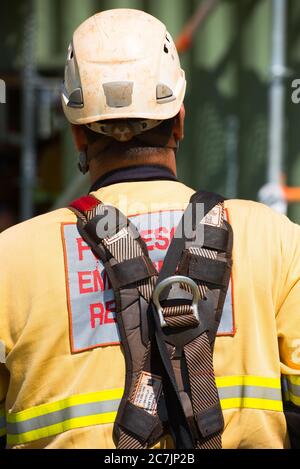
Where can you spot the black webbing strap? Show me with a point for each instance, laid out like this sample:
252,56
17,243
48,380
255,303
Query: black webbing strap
2,442
215,238
205,270
205,399
179,425
187,225
132,271
132,276
292,415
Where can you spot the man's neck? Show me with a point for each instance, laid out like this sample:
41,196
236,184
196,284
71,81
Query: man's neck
103,165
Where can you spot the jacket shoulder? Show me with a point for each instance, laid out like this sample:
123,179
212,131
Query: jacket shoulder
27,232
251,210
260,225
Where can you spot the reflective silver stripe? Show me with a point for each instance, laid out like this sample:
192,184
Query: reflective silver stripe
2,423
290,387
81,410
107,407
226,325
284,384
258,392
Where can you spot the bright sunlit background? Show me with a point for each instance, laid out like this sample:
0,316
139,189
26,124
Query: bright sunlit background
226,50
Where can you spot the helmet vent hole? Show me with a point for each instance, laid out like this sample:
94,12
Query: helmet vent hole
167,38
166,50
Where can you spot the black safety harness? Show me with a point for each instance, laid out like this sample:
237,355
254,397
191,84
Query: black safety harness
167,321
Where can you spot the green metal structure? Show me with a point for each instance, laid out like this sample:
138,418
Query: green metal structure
227,68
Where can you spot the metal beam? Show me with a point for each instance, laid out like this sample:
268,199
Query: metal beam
277,91
28,161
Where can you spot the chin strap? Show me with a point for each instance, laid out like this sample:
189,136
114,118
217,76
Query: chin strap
83,162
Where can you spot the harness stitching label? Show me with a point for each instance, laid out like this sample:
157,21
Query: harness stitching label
148,391
214,217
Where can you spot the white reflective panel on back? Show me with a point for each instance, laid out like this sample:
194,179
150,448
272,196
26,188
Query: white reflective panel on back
90,297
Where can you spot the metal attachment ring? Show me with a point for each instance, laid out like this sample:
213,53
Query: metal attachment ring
166,283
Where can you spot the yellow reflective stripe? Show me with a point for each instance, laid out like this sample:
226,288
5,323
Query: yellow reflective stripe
294,399
223,381
288,396
43,409
291,385
293,379
253,382
251,403
61,427
85,410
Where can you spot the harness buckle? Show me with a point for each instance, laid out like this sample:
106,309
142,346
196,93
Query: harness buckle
159,288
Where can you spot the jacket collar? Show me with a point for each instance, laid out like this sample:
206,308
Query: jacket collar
134,174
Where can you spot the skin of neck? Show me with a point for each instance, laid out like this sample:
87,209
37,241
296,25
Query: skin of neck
104,161
102,164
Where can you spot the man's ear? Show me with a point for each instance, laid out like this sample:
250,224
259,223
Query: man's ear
79,137
179,124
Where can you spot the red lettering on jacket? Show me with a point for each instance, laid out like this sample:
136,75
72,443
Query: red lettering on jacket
155,240
110,309
98,281
83,281
102,314
158,265
81,246
162,242
93,281
145,237
96,312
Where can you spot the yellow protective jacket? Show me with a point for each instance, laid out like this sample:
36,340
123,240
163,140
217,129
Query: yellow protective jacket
63,376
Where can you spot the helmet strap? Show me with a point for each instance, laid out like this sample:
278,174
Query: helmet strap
177,148
83,162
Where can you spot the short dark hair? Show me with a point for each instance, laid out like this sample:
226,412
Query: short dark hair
157,137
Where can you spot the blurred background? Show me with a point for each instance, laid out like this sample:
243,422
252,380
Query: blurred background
242,128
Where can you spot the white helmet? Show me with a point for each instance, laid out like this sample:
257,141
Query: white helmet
122,64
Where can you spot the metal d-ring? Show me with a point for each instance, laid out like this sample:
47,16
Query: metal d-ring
166,283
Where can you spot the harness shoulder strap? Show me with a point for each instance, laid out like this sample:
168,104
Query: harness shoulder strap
157,357
195,343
